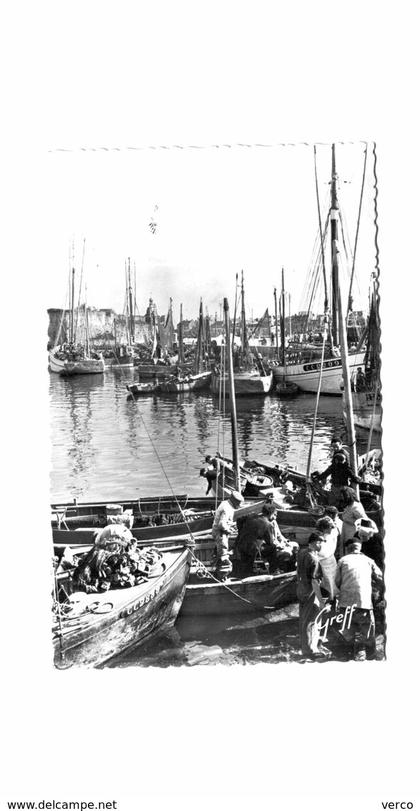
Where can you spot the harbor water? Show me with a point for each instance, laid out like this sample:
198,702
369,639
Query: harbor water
105,445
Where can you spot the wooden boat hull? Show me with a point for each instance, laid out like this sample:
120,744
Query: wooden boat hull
123,618
55,364
306,375
139,389
88,366
252,594
246,383
286,389
80,528
147,371
77,524
195,383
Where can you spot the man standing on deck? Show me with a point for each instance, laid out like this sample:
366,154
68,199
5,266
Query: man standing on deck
353,579
341,476
223,525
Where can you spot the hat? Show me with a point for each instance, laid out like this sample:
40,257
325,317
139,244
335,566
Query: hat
236,497
355,539
340,457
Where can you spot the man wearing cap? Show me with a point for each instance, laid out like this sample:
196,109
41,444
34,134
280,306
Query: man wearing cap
223,524
354,576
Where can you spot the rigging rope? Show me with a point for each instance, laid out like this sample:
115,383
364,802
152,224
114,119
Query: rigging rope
174,496
357,229
80,293
308,468
60,327
209,574
321,236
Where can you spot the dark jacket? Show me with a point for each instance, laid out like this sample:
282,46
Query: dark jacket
341,474
253,532
308,569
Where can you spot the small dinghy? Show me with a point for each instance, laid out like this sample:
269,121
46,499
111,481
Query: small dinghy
138,389
284,389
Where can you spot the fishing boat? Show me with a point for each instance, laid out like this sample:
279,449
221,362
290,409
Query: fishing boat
305,375
138,389
258,593
161,360
250,374
198,378
123,353
82,366
285,389
282,387
304,370
253,481
180,384
90,629
72,358
150,520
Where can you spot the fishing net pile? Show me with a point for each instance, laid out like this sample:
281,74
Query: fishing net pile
116,563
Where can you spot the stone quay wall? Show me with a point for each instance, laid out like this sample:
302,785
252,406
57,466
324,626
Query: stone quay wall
106,328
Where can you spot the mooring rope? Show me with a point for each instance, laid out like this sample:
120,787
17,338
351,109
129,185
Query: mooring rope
234,593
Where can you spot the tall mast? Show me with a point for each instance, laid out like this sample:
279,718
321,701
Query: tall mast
290,317
276,322
207,333
234,312
72,306
180,337
199,347
130,305
87,343
334,216
282,319
244,336
235,450
348,400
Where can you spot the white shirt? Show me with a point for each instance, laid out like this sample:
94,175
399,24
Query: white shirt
354,580
223,518
329,544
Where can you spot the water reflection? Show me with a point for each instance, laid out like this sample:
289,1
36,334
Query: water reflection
107,445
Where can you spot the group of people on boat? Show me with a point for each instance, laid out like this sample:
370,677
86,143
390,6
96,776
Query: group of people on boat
259,547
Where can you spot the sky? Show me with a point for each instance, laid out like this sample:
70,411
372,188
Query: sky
218,211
